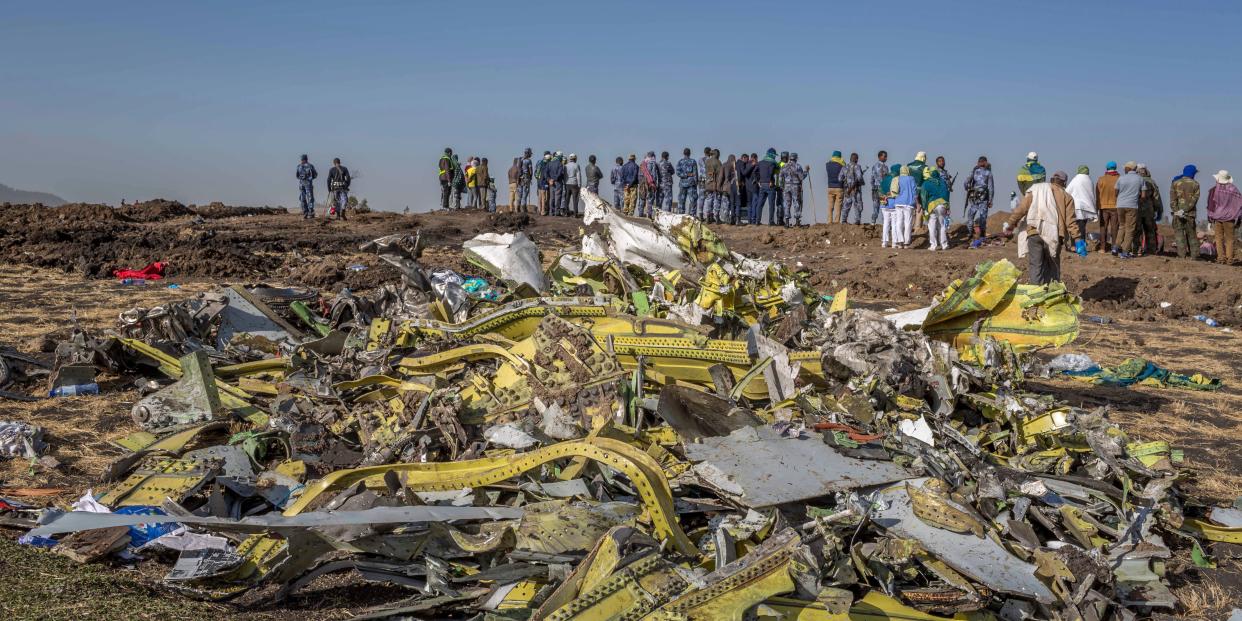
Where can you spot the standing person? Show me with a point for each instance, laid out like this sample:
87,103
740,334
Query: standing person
1106,197
741,185
667,171
879,193
766,172
780,189
688,175
554,172
949,181
593,175
1150,208
712,179
906,200
934,197
306,175
481,176
1082,190
1129,189
699,212
1183,206
1047,209
573,185
1032,172
541,178
629,179
491,194
836,192
618,186
459,182
728,193
525,176
472,187
649,186
980,189
515,182
1224,208
791,184
852,183
338,189
445,176
890,235
919,172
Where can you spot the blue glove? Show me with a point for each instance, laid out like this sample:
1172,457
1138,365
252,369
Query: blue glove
1081,247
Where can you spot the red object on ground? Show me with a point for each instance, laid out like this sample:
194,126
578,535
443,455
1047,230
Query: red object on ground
153,271
850,432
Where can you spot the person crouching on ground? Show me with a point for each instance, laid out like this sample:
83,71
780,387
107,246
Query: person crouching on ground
1047,210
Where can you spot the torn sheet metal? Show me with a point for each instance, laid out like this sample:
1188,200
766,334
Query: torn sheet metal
695,414
632,240
512,257
759,467
20,439
246,320
75,521
979,557
194,398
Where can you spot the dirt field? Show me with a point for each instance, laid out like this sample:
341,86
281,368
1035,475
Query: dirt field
57,263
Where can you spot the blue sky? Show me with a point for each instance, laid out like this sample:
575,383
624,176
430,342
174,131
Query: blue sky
215,100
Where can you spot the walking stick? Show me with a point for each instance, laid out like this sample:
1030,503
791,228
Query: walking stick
810,190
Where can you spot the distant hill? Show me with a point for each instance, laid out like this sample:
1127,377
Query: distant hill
13,195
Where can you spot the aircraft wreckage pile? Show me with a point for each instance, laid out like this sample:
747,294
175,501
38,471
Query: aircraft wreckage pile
650,428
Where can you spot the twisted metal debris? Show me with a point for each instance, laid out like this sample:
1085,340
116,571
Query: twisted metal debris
653,427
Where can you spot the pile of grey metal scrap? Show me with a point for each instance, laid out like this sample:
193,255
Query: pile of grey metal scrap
581,446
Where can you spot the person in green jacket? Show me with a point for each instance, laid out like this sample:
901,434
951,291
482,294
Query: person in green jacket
934,197
1032,172
1183,202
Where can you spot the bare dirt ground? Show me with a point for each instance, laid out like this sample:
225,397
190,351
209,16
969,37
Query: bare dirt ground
57,262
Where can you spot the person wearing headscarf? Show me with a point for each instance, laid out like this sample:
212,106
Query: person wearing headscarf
905,199
919,171
1046,209
1082,190
1106,200
888,209
1183,206
1151,207
1032,172
934,197
1224,209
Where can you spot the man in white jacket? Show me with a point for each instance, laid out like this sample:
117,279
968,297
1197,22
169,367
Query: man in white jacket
1082,189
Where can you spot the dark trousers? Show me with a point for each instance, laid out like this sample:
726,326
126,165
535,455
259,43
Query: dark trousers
571,200
446,189
768,194
1042,266
1147,240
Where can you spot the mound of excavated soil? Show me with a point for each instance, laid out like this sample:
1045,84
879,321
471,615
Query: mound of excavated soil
222,242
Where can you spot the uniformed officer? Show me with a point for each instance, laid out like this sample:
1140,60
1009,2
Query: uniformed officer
306,175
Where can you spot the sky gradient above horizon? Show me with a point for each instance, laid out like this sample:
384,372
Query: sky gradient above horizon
199,102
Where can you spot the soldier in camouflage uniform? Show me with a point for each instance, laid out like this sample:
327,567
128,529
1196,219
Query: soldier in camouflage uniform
306,175
526,173
852,184
699,210
618,188
876,173
1183,202
666,182
791,177
688,174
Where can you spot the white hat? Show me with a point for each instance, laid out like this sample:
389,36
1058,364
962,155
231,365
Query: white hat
1223,177
1032,156
573,156
921,155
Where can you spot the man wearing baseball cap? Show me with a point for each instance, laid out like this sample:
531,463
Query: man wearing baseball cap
1106,194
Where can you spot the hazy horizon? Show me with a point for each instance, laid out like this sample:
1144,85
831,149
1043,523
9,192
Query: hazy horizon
214,102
